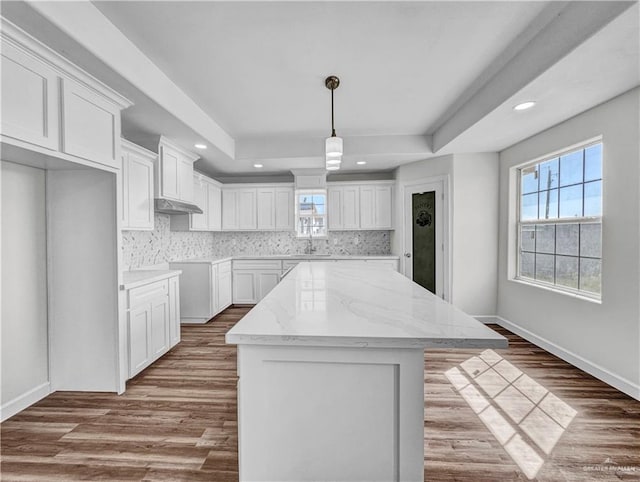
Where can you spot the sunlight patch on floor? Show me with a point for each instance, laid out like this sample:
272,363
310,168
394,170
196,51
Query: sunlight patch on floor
524,417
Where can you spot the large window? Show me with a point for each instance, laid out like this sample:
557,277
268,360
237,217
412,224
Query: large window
560,221
311,213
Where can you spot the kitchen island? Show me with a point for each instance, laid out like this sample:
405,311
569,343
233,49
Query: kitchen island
331,374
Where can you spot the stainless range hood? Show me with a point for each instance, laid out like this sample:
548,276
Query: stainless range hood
166,206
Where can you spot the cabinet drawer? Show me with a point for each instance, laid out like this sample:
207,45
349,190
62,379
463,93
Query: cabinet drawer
224,267
257,264
143,294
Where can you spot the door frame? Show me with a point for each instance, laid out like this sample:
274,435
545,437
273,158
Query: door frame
443,182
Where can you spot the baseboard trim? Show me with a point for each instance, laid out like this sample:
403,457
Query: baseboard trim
487,319
194,321
617,382
23,401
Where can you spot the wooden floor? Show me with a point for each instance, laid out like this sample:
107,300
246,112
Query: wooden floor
177,420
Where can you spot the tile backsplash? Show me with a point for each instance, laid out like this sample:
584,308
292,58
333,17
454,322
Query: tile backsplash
147,248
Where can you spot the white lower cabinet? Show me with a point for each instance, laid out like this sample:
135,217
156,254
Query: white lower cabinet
266,281
244,287
225,287
206,289
174,311
139,346
153,322
254,278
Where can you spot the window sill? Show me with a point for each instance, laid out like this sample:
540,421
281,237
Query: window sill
554,289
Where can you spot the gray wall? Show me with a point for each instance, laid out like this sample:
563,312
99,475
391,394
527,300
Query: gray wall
603,339
473,197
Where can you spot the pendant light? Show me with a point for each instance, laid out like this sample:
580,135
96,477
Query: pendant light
333,144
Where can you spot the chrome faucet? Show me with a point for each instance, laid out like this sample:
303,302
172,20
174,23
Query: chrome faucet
310,249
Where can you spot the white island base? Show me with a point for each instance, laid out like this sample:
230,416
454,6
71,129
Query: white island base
310,414
331,367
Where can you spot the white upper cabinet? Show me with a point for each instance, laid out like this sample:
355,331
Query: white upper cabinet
174,172
334,207
247,207
207,196
383,210
229,210
365,205
239,211
90,125
185,179
51,106
200,222
214,207
266,209
351,207
29,98
137,187
284,209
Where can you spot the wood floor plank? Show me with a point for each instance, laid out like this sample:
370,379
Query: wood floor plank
177,420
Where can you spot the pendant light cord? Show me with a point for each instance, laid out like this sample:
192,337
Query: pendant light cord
333,130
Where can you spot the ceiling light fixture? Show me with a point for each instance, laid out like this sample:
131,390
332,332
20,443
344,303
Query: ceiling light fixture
200,146
257,166
525,105
333,144
361,163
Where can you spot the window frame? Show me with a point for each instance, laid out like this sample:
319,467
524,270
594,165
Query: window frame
576,220
311,192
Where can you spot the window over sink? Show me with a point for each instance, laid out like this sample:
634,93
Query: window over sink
311,213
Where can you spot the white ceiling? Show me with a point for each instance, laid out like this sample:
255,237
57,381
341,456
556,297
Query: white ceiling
414,75
259,68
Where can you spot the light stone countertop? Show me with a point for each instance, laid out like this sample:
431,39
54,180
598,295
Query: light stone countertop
293,257
203,260
141,277
329,304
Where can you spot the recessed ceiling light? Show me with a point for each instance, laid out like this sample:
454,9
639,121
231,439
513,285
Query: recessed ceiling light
525,105
257,165
200,146
333,167
361,163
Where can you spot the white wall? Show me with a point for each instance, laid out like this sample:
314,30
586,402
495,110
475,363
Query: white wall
25,373
473,197
603,339
475,233
83,280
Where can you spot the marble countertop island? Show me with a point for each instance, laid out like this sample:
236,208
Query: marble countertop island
329,304
331,374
